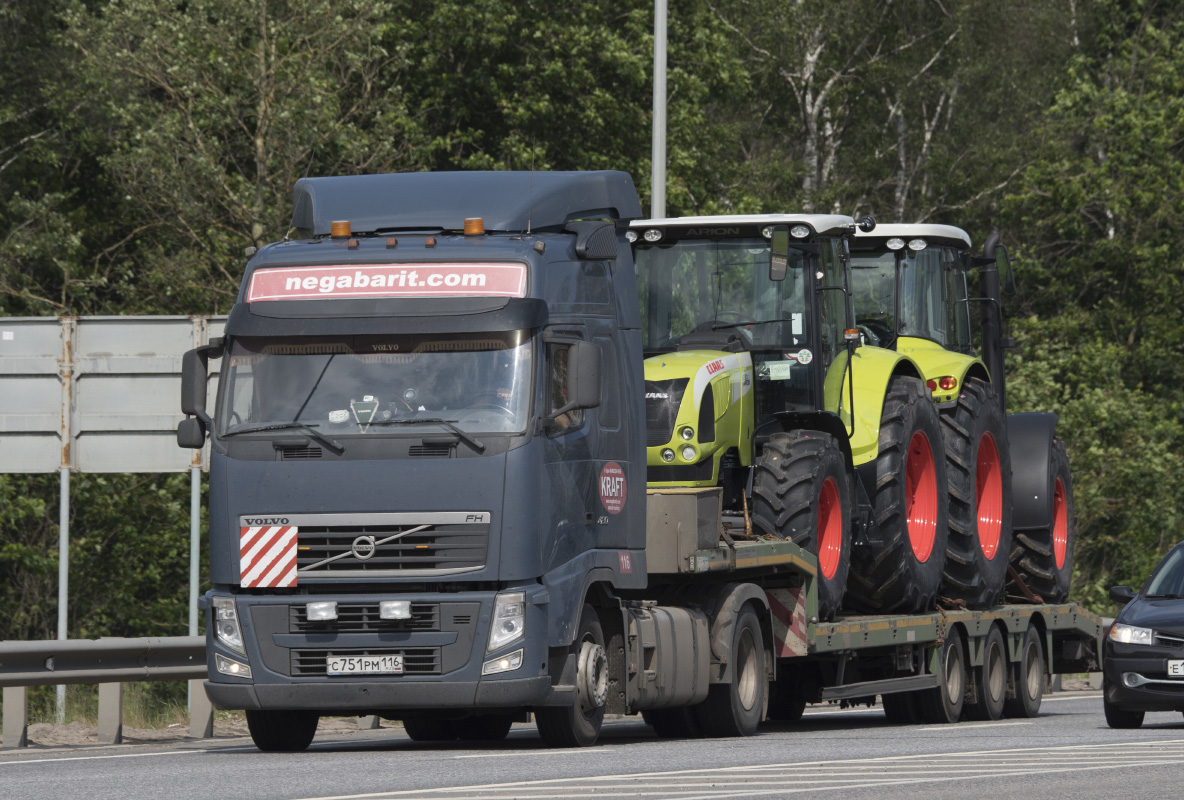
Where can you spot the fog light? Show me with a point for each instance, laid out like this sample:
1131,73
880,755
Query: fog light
394,609
1131,679
689,453
687,433
228,666
321,611
667,455
506,663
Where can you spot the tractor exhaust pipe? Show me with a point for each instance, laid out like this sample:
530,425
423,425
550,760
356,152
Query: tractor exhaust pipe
992,319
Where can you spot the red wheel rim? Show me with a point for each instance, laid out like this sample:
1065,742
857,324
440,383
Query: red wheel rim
988,495
830,529
920,496
1060,524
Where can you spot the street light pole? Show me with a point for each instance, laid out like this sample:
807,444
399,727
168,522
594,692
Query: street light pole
658,151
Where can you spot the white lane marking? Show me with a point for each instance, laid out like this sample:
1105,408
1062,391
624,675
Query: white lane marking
963,726
97,758
533,753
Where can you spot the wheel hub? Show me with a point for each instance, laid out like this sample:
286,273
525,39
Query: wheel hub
592,676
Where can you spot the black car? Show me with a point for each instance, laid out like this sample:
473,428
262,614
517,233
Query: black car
1144,652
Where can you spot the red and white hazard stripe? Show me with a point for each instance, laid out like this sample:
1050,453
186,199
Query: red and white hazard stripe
789,621
267,556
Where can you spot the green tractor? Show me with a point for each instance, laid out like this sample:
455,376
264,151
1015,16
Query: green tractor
1010,491
757,381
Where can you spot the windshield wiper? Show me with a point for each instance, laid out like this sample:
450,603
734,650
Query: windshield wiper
472,442
1164,596
310,428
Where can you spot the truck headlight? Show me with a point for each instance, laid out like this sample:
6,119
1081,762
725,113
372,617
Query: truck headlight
1128,634
226,627
509,620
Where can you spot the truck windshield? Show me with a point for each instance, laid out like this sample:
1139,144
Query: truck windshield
695,286
379,385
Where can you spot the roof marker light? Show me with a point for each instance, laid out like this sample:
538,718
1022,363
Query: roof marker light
474,226
917,245
652,235
339,229
895,243
799,231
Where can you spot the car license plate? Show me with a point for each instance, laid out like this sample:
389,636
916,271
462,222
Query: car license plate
364,665
1176,668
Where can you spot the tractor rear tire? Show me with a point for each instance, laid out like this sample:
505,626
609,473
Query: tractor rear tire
903,571
802,492
978,466
1044,557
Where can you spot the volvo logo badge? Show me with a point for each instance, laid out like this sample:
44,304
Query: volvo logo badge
363,547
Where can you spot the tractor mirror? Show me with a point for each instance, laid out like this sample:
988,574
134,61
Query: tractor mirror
779,253
1003,265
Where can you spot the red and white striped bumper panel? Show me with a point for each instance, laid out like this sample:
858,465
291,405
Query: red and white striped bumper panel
789,621
267,556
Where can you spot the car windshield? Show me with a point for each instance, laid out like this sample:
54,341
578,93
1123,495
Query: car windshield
1168,579
368,385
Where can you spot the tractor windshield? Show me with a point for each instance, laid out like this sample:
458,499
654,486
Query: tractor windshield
694,288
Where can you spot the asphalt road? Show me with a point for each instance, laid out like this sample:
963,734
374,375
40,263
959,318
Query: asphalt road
1068,751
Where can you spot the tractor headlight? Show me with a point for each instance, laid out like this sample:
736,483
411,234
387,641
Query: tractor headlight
687,433
917,245
799,231
652,234
631,236
667,455
226,627
895,243
689,453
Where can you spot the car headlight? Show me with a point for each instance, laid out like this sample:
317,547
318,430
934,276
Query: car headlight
1129,634
509,620
226,627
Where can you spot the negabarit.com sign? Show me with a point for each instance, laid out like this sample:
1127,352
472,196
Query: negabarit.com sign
387,280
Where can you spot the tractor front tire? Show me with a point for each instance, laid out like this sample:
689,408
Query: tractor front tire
979,469
802,492
1043,558
902,572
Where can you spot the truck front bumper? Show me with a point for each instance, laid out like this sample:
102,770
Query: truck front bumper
374,696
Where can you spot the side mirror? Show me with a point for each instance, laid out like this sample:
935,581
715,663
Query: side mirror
779,253
1003,265
191,433
194,376
583,375
1122,594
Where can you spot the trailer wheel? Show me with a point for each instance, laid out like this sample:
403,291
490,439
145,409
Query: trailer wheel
578,725
737,707
282,731
943,703
429,729
903,572
901,708
978,467
787,702
1120,718
673,723
801,492
1027,679
990,679
1044,557
487,728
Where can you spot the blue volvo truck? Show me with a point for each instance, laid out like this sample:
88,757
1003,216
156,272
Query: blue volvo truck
428,497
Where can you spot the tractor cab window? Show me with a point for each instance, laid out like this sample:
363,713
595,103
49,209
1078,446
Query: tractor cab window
873,291
922,296
959,308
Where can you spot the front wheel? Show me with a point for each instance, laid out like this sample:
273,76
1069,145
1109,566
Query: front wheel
801,492
1119,717
282,731
737,707
578,725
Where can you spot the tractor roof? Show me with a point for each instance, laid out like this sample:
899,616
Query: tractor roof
507,201
944,234
821,223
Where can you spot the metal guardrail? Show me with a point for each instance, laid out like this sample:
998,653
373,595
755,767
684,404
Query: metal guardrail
107,662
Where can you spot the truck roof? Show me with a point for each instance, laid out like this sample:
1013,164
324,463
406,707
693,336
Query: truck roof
507,201
915,230
821,223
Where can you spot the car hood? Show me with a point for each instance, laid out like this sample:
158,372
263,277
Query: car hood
1165,615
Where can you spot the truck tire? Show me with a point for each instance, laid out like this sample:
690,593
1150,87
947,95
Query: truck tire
787,703
1120,718
282,731
978,466
802,492
1044,558
429,729
990,680
1027,679
578,725
943,703
903,571
901,708
736,708
673,723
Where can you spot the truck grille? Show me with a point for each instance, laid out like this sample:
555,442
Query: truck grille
309,662
364,618
662,399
